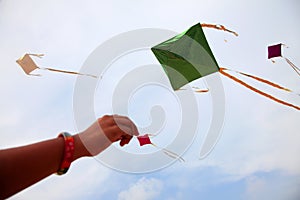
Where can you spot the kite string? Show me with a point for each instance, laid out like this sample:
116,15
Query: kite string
222,71
218,27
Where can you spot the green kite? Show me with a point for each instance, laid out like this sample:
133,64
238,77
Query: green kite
187,57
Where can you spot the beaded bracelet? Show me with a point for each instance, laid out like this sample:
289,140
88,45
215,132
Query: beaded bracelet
68,153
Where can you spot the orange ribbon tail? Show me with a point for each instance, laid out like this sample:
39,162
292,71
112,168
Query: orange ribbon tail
261,80
222,71
218,27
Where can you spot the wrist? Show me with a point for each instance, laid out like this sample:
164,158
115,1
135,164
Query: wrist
80,150
73,149
68,153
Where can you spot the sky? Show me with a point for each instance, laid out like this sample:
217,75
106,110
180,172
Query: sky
256,156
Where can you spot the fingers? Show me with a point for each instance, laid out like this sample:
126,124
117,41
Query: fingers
115,132
125,140
123,122
126,122
117,128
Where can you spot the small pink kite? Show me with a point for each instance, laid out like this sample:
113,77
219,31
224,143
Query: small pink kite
276,51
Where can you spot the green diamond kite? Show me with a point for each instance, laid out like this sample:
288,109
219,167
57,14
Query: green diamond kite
186,57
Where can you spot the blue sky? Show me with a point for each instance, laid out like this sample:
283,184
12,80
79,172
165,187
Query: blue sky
256,156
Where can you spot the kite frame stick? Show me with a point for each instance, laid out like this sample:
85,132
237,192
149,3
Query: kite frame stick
222,71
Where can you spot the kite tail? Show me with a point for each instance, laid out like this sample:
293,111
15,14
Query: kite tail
295,68
262,80
37,55
68,72
34,74
170,153
218,27
196,90
200,90
222,71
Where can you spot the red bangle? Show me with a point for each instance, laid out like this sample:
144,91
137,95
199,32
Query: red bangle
68,153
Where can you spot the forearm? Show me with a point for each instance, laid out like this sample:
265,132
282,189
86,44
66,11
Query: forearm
23,166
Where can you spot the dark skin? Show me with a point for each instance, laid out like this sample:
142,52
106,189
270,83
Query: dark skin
23,166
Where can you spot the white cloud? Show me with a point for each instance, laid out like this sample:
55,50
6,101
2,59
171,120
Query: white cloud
261,188
143,189
264,143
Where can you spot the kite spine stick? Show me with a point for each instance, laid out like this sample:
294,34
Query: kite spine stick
257,91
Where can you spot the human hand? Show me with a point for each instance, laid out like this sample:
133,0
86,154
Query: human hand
118,128
102,133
